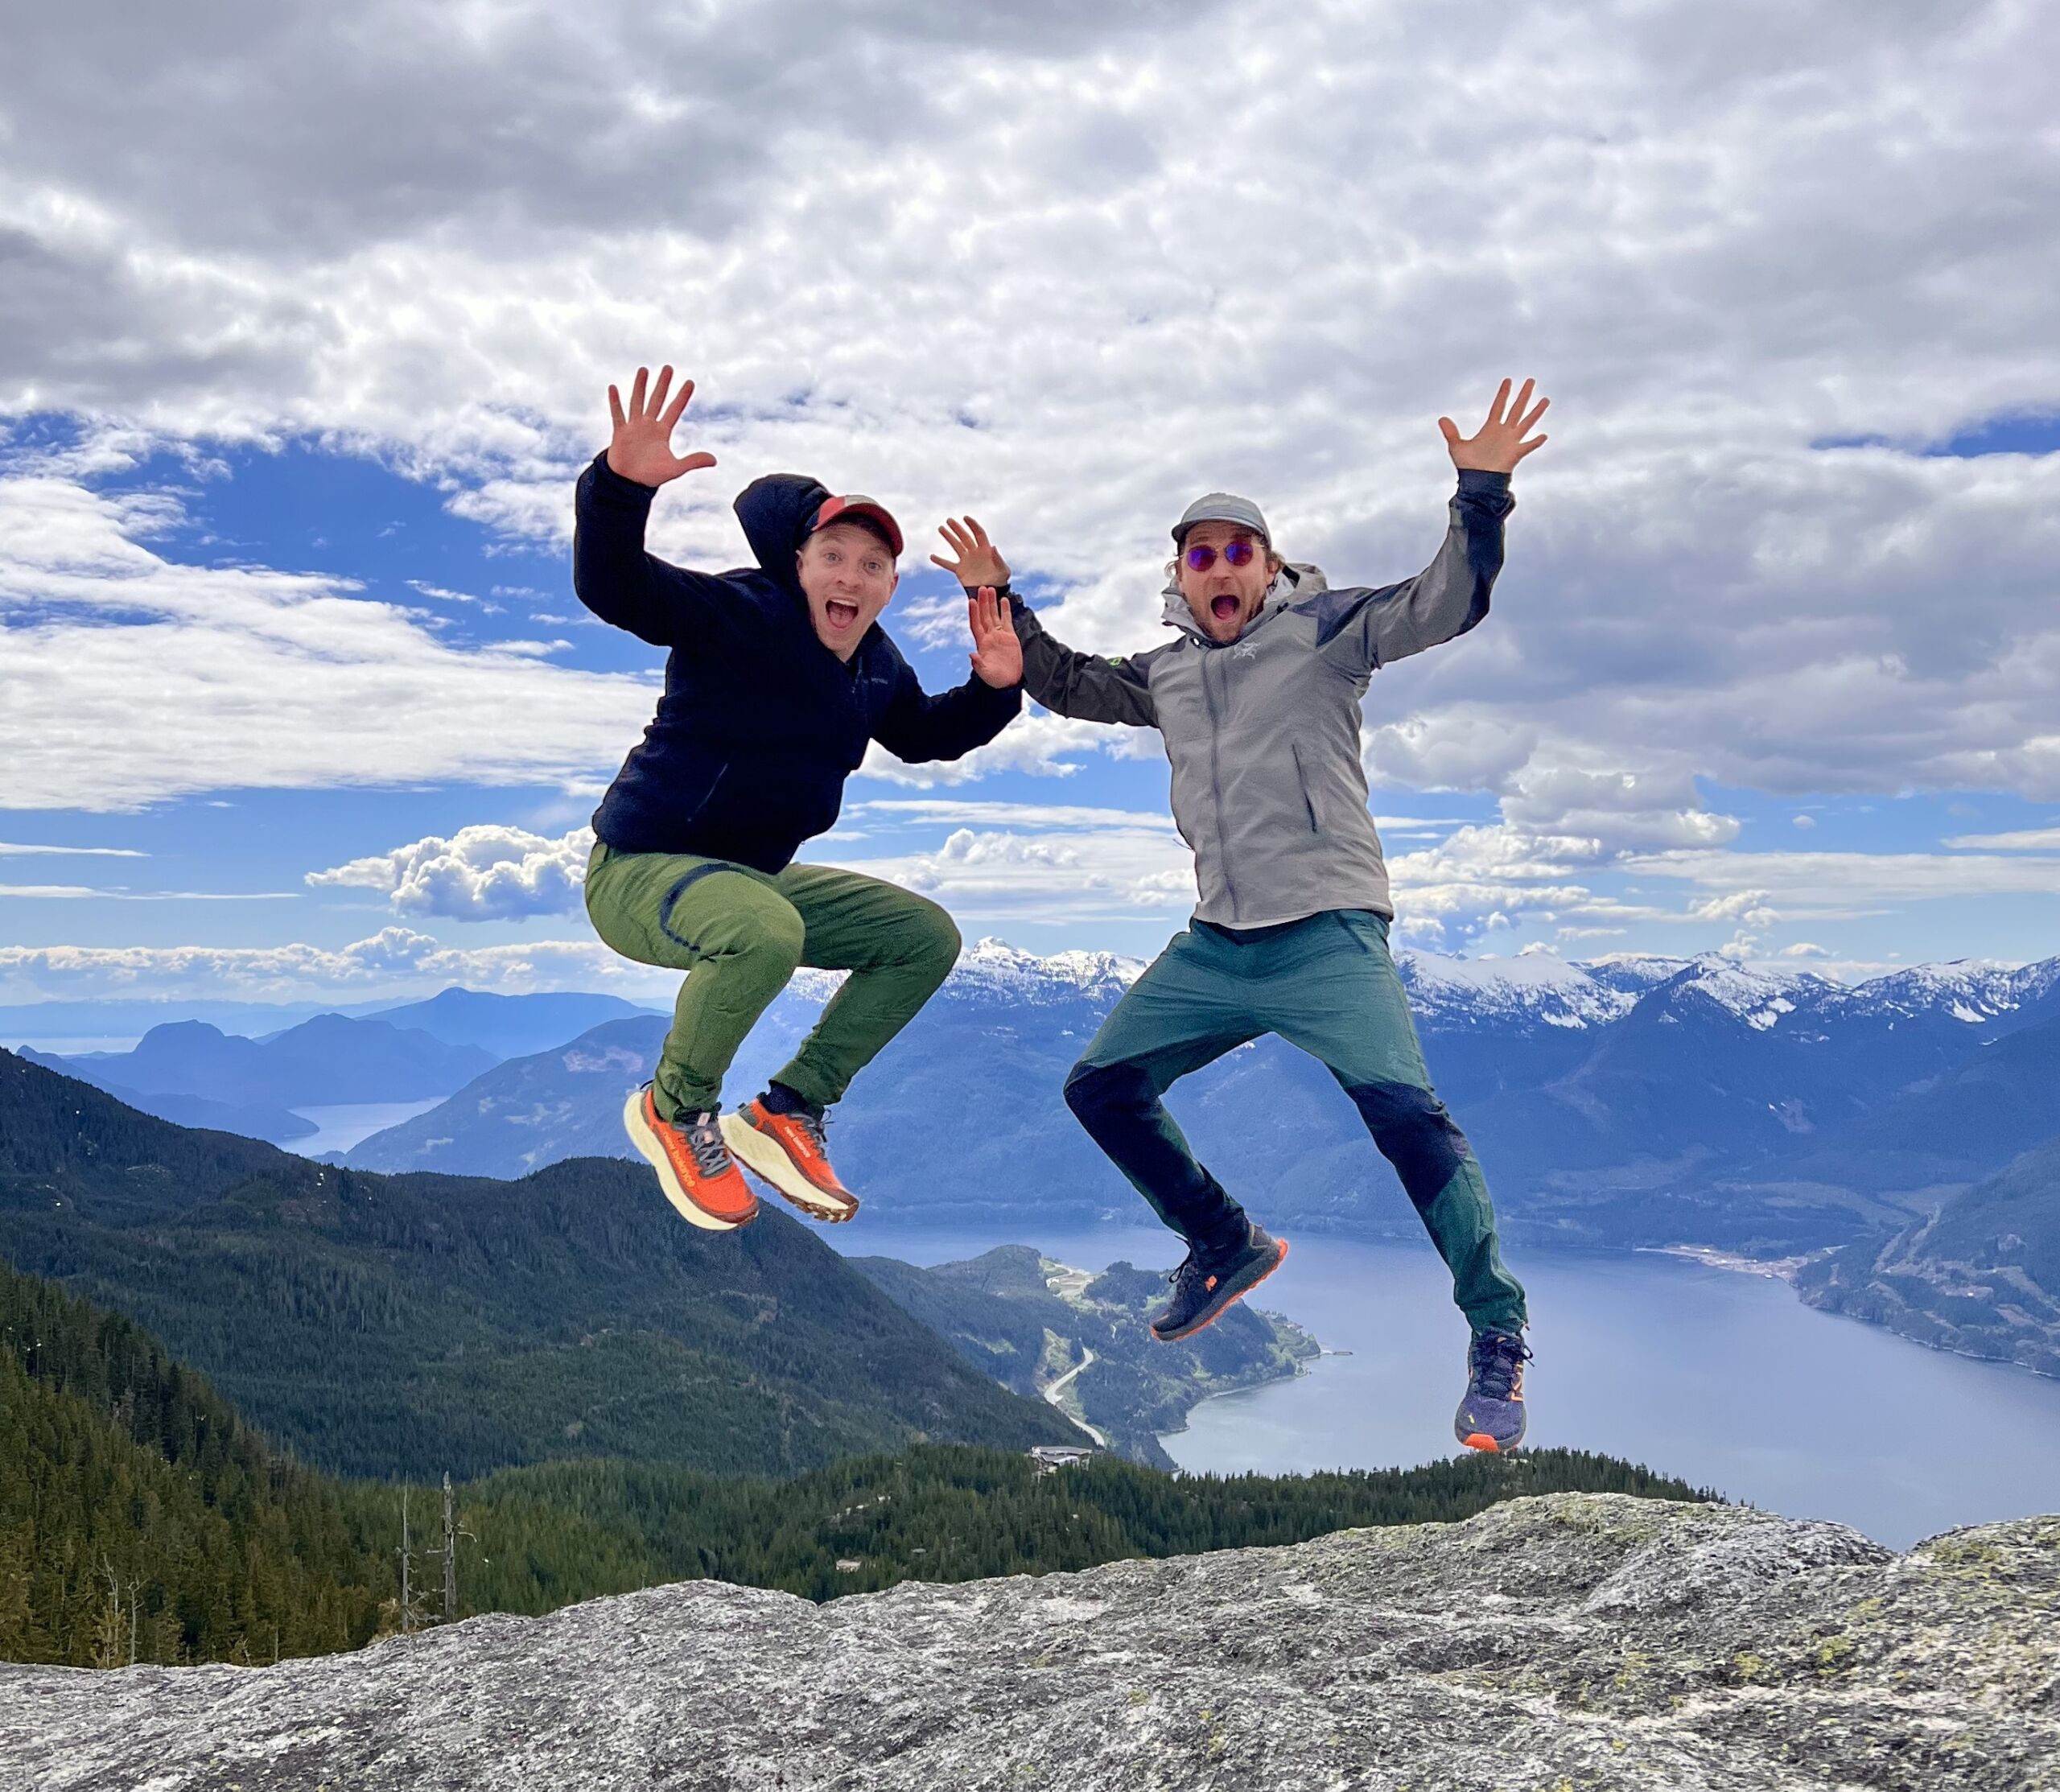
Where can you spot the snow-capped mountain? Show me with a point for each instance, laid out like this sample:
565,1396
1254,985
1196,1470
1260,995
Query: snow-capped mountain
1534,988
1652,1101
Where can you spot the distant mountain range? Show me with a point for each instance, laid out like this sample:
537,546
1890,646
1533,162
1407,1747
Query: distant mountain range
1632,1102
192,1072
206,1077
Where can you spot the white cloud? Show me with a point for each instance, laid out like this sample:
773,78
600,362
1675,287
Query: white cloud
12,849
989,270
86,892
1046,746
396,959
126,678
1841,884
1111,867
948,812
480,873
2033,839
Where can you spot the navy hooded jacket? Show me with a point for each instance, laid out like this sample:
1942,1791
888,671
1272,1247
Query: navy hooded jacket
760,723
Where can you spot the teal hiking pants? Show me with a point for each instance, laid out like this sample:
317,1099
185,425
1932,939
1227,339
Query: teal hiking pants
738,934
1327,985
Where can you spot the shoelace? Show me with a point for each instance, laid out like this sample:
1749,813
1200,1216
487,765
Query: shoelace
704,1138
812,1127
1192,1275
1497,1358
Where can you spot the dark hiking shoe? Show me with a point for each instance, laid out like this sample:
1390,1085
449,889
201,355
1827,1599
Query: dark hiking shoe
1205,1285
1491,1417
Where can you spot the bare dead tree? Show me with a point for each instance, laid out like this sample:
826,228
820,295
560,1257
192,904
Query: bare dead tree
452,1531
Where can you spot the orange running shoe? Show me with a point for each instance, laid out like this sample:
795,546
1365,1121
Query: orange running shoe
787,1150
695,1169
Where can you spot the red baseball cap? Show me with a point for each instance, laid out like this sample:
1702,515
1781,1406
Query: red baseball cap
853,508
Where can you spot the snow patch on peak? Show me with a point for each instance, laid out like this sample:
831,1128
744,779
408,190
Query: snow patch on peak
1635,972
993,967
1536,986
1970,990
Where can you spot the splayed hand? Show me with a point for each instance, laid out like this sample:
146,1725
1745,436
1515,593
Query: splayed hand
997,655
979,560
641,447
1499,444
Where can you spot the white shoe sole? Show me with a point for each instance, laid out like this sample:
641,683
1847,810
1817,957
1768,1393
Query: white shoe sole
646,1141
763,1157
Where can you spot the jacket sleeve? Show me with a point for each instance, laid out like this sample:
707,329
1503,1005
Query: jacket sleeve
1082,685
1363,629
616,579
915,726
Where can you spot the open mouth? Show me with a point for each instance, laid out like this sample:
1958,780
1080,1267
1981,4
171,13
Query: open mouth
1224,609
840,615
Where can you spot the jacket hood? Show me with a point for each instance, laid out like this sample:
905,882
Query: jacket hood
1297,579
772,511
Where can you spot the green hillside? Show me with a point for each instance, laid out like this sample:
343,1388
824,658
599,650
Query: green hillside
406,1326
1980,1277
137,1510
1034,1325
139,1514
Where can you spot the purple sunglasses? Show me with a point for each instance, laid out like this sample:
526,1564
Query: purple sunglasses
1236,554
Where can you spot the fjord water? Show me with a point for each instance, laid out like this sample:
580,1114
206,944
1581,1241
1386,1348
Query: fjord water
1725,1379
344,1124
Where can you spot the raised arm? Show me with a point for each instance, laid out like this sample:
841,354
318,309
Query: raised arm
917,726
1370,627
1065,681
612,575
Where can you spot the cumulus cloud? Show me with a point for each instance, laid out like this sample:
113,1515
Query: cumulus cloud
1048,746
480,873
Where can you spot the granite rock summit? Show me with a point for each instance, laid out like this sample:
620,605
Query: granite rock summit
1569,1642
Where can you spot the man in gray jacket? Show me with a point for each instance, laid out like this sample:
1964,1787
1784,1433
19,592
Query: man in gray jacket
1257,699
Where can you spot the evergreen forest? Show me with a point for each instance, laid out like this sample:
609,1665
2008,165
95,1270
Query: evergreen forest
141,1519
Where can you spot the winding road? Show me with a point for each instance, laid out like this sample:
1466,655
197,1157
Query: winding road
1055,1394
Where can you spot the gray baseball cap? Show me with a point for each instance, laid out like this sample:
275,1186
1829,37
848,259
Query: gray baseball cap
1223,507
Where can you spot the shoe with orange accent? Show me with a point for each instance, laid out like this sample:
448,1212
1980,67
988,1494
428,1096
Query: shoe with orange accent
694,1167
1207,1282
787,1151
1491,1417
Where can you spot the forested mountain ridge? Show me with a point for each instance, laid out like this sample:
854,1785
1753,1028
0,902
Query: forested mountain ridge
141,1519
1980,1277
407,1326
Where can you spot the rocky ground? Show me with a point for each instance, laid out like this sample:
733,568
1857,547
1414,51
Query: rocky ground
1573,1642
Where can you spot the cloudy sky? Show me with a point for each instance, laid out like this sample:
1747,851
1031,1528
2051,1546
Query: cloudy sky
307,315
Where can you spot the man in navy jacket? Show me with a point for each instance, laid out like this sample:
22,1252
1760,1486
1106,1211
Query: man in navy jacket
778,678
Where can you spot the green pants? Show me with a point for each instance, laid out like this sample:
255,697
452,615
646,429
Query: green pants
739,934
1328,985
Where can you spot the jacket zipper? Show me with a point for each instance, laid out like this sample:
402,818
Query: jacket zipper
1216,780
